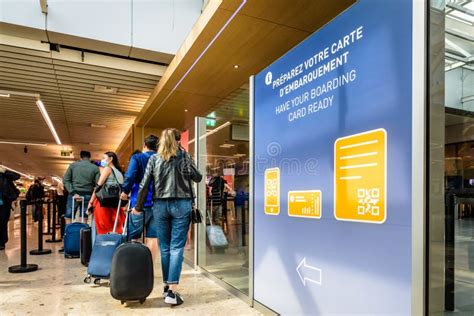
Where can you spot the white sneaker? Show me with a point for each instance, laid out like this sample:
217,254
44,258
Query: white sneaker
173,298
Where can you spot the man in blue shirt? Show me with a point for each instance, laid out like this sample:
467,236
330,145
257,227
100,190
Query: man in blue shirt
131,185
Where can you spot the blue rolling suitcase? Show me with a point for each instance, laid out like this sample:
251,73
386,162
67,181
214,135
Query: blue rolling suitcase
72,234
103,252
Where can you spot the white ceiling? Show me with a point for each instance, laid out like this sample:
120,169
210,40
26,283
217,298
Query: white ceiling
67,90
459,25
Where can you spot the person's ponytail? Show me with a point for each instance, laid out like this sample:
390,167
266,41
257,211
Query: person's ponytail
115,160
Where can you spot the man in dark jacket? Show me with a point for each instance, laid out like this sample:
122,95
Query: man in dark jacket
8,194
131,185
35,196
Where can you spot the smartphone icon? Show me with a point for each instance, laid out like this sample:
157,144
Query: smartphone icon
272,191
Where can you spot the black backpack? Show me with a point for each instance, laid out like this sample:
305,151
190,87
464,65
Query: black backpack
7,189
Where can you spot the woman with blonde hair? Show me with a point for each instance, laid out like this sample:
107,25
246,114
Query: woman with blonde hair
171,170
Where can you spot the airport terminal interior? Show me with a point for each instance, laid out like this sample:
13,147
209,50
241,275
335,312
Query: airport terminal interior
335,140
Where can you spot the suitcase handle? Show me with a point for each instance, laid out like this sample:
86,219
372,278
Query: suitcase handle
125,225
209,214
118,212
74,210
127,219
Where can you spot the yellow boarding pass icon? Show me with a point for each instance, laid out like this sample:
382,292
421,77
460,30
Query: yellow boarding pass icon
304,204
272,191
360,177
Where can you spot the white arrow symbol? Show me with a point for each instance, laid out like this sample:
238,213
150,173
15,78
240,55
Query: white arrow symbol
309,273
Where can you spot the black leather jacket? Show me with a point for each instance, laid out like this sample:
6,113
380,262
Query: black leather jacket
170,178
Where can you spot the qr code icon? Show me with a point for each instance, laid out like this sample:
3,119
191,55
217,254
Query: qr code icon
368,200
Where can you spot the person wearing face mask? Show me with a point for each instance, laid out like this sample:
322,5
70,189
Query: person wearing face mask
110,174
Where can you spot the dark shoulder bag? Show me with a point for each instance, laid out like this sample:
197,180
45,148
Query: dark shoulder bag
196,216
109,194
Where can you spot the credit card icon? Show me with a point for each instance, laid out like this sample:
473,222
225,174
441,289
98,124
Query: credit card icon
272,191
305,204
360,177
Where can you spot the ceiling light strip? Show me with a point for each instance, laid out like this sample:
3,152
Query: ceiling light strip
23,94
215,130
43,111
57,179
197,59
20,173
21,143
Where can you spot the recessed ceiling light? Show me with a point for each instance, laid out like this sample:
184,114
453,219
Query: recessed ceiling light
226,145
98,125
185,110
236,66
5,95
104,89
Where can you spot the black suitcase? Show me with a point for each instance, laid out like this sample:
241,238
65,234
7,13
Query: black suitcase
86,245
131,274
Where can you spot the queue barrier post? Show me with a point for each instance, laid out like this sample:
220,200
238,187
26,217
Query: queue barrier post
40,250
54,223
23,267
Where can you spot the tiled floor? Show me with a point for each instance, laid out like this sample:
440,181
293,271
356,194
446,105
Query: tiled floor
58,288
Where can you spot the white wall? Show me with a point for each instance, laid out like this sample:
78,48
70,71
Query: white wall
103,20
156,25
162,25
22,12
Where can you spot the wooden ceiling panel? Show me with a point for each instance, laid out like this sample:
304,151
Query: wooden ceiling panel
67,91
304,15
259,34
177,104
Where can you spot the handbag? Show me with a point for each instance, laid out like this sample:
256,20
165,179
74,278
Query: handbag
196,216
109,195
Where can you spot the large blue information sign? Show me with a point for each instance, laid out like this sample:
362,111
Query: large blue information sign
333,137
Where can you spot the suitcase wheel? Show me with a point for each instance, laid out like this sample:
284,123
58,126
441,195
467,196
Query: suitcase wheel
97,281
87,279
122,302
142,301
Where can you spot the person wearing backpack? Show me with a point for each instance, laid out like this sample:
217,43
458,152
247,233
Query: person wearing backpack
110,176
171,170
133,178
8,194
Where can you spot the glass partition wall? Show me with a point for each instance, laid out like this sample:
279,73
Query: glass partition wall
450,223
220,144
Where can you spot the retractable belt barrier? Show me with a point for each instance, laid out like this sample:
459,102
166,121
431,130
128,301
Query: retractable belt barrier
55,220
40,250
23,267
48,217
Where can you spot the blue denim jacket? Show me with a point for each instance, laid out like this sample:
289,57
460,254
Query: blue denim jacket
134,175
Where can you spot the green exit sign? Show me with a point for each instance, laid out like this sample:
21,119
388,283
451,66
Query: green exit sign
210,122
211,119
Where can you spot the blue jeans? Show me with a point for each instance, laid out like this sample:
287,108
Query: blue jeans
135,225
77,207
172,218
